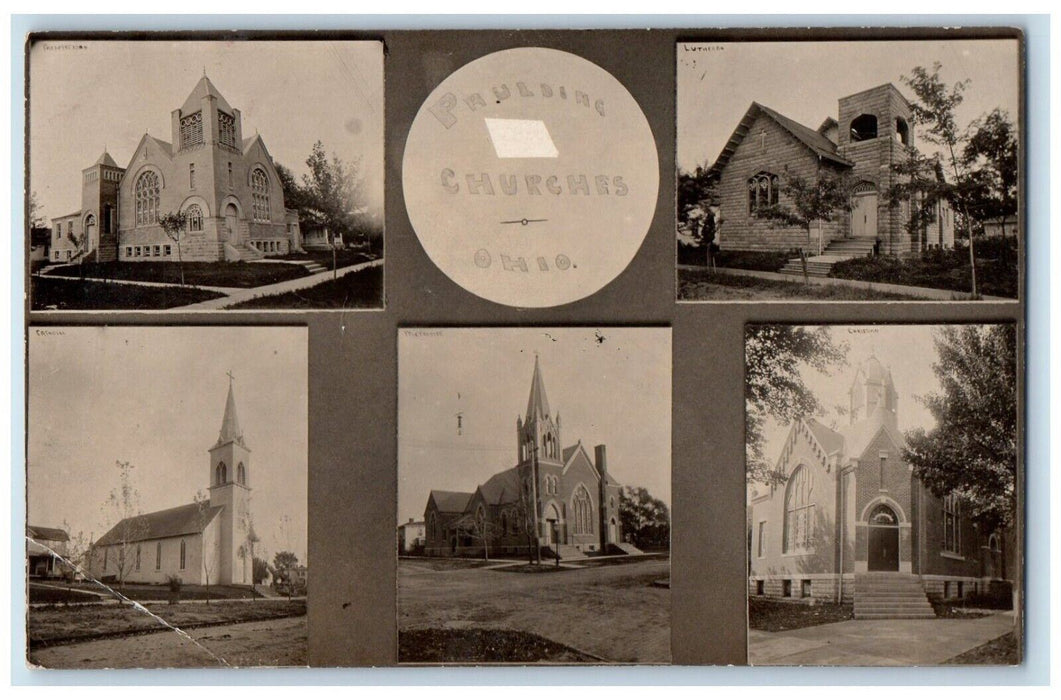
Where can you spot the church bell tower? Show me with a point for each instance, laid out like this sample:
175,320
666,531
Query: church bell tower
230,490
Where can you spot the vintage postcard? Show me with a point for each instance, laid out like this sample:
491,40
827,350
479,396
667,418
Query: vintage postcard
883,495
201,175
166,497
524,536
849,170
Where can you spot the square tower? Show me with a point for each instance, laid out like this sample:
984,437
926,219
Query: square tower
230,489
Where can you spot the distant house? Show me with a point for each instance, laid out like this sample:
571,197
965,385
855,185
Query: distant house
1006,227
411,536
319,238
46,550
40,241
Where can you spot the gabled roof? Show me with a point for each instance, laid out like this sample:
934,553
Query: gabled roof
858,437
813,140
203,88
830,440
502,487
51,534
450,501
190,519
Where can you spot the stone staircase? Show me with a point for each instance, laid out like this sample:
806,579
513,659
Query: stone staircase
628,548
313,266
241,251
882,595
840,249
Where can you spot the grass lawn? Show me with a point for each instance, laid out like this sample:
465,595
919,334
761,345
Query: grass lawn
209,274
71,624
705,284
482,646
776,616
443,563
146,592
938,269
75,295
1003,651
343,258
354,290
611,612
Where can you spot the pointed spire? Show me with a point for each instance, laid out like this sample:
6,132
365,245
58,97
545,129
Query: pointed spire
203,88
537,403
230,430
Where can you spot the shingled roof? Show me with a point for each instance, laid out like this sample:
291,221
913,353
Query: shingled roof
502,487
830,440
190,519
813,140
451,501
51,534
203,88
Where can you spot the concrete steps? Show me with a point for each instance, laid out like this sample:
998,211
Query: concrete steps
891,595
569,552
314,267
628,548
838,250
814,269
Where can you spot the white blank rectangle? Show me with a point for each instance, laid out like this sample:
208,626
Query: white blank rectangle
521,138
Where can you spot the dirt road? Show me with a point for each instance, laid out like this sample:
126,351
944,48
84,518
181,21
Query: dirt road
279,642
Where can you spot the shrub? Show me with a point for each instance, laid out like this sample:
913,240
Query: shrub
767,260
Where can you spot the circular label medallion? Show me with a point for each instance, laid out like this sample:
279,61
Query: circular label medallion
530,177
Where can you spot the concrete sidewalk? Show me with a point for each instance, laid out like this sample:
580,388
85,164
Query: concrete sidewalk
876,642
925,293
278,288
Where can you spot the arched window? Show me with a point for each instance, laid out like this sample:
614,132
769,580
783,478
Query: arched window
902,131
763,191
883,516
864,127
799,511
194,215
260,189
183,553
222,473
241,474
147,195
158,556
582,509
432,525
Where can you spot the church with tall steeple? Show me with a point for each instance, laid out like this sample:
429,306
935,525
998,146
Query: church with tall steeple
559,499
225,184
850,521
209,541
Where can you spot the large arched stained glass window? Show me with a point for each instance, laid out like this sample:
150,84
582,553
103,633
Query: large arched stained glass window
260,190
582,510
799,511
147,195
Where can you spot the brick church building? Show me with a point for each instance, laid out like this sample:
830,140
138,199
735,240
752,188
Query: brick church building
871,133
208,542
851,521
558,497
225,184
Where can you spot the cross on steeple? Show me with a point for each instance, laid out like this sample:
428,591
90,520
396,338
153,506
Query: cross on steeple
230,377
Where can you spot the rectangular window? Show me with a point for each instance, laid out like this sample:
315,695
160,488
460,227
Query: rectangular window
951,525
167,250
786,588
760,547
760,587
191,175
156,251
137,557
804,588
136,251
158,556
230,175
105,557
961,589
128,251
183,552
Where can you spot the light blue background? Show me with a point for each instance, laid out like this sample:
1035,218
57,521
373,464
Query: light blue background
1034,670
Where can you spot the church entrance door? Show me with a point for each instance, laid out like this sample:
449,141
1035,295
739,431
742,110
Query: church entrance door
883,540
231,214
864,215
611,530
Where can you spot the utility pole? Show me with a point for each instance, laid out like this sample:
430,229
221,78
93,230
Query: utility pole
534,505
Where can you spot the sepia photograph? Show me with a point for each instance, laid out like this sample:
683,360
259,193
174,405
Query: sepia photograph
534,495
883,520
859,170
166,489
214,175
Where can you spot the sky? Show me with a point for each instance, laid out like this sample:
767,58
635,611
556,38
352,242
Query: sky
907,350
803,81
613,389
89,95
155,397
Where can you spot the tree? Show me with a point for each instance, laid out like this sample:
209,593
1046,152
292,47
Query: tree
261,570
480,529
124,504
173,224
776,358
810,202
972,450
283,563
934,111
645,519
203,514
35,212
990,155
696,193
77,550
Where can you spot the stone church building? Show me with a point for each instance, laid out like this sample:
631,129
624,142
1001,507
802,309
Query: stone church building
209,542
871,132
225,184
557,497
851,521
